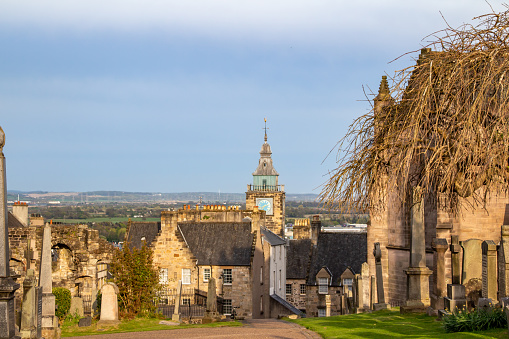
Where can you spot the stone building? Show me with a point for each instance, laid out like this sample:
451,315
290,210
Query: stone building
80,257
322,264
392,227
266,193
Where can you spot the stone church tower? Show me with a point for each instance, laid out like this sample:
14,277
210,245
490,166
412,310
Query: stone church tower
266,193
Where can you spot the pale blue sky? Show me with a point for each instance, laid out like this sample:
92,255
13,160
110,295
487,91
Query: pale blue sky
170,96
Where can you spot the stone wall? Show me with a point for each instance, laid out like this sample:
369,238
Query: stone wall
314,300
296,298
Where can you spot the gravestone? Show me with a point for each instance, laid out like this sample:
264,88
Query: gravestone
440,246
417,273
176,311
485,304
211,314
372,300
381,305
7,285
455,299
358,294
472,260
489,270
49,320
76,307
366,290
28,328
109,305
38,314
85,322
503,263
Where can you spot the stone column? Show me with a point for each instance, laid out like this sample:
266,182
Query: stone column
381,305
440,287
418,273
176,310
29,307
489,270
7,285
49,320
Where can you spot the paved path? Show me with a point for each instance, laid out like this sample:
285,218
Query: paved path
259,328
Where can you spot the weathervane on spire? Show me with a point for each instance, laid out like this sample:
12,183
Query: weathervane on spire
265,128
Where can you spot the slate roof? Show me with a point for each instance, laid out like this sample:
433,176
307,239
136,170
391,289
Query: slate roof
140,229
272,238
297,258
338,251
219,243
13,222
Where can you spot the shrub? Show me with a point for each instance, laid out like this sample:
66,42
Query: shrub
136,278
62,301
477,320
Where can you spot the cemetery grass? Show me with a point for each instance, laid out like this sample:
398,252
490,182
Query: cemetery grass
71,329
388,324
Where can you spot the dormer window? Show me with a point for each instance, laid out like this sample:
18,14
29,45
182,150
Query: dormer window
323,285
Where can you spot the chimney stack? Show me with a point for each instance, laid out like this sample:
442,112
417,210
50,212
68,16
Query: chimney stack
316,226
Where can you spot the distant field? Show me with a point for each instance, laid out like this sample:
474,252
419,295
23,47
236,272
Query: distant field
112,220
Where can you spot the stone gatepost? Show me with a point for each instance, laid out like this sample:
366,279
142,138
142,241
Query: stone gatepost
418,273
440,246
489,270
381,305
503,263
28,328
7,285
109,305
176,311
49,320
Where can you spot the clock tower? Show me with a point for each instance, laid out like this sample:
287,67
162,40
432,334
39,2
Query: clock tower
266,193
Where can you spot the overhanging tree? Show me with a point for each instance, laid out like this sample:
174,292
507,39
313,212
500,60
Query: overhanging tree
446,130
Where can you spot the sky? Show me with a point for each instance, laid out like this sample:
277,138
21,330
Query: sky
171,96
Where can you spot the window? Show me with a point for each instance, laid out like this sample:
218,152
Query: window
302,289
347,283
186,301
323,287
288,288
261,275
279,285
227,276
163,276
227,306
321,312
186,276
206,274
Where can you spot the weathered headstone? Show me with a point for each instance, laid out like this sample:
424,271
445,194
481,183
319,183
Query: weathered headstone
455,299
211,314
372,300
418,273
358,293
109,304
440,246
472,260
28,328
176,311
489,270
328,304
503,263
7,285
85,322
49,320
381,305
76,307
366,290
485,304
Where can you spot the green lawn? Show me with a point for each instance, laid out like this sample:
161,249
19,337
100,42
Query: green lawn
387,324
70,329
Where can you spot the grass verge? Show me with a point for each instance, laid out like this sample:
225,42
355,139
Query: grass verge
389,324
71,329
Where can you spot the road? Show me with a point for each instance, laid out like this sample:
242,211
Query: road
259,328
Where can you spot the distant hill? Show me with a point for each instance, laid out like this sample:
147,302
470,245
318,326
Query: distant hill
43,197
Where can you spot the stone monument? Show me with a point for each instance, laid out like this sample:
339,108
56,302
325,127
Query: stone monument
439,246
7,285
49,320
418,273
455,299
328,304
503,263
109,305
176,311
489,270
365,287
211,314
28,327
381,305
76,307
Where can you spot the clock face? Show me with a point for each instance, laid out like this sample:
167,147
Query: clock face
265,204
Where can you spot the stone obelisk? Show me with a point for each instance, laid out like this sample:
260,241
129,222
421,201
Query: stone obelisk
49,320
7,285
